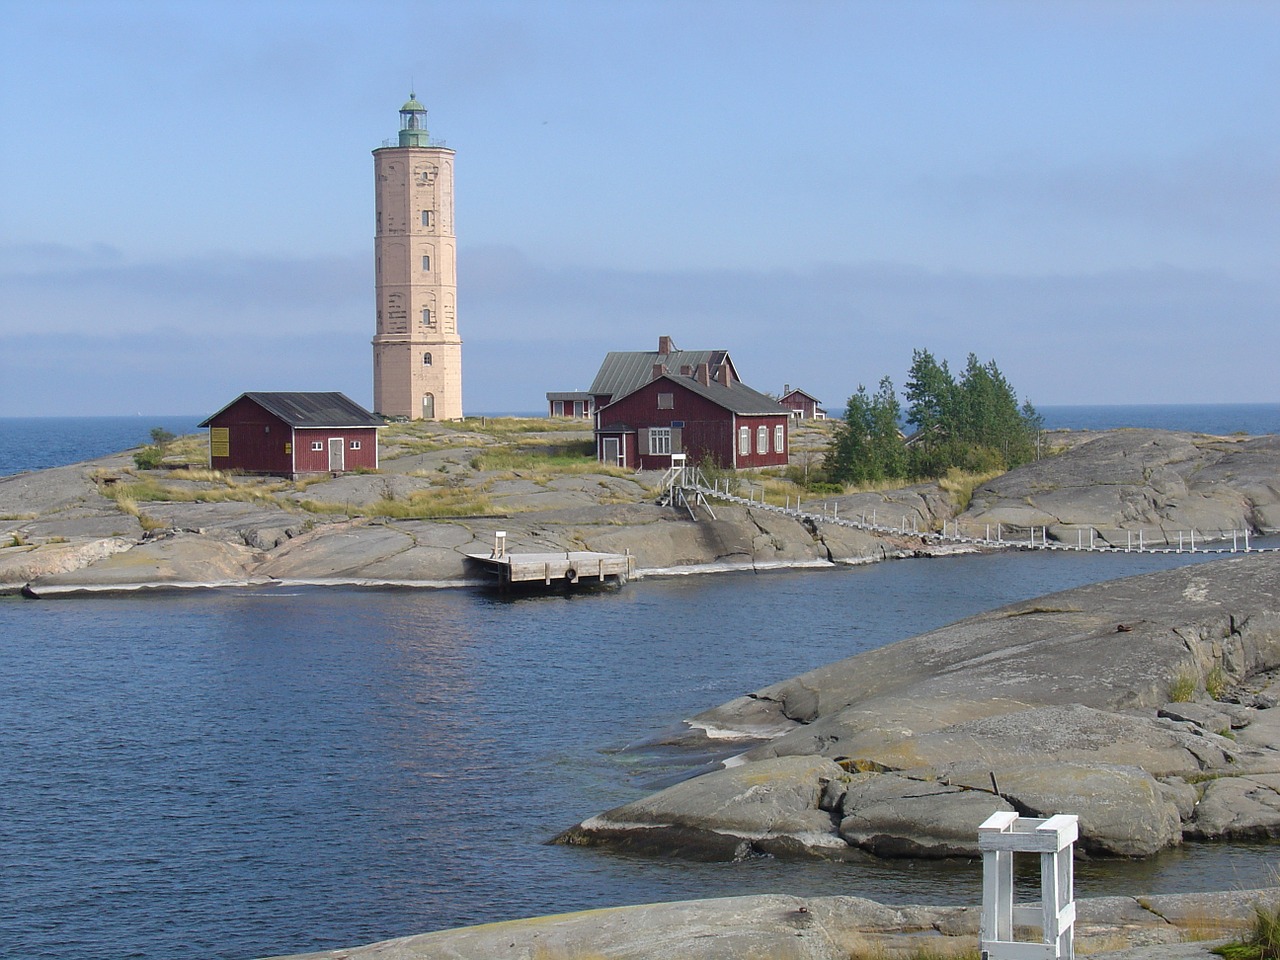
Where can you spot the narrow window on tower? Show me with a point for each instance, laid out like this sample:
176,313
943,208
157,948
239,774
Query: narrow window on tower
427,319
426,359
426,263
428,218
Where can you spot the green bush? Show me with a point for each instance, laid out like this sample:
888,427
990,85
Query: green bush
149,458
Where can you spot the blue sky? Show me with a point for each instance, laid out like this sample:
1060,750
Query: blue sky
1087,192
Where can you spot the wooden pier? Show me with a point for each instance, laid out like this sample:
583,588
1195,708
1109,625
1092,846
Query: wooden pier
570,567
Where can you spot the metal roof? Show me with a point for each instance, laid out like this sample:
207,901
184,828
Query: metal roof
301,409
803,393
738,398
626,371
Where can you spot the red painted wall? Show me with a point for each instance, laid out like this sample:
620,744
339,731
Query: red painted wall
258,440
317,461
709,431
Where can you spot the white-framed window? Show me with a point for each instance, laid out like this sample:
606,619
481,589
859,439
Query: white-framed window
579,408
660,441
744,441
779,438
426,263
557,408
428,218
355,444
317,445
666,401
762,439
426,359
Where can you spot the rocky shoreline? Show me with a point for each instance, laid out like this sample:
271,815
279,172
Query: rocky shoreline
102,525
1174,927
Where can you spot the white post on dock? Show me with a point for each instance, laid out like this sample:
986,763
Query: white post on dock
1001,836
1079,539
1193,540
499,544
1141,546
1128,544
1246,539
1179,541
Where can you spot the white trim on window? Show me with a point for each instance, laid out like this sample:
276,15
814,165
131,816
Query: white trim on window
762,439
660,441
779,438
355,444
744,441
317,445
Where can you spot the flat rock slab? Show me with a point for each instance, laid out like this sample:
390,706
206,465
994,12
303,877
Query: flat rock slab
1051,698
766,807
1125,481
182,560
777,927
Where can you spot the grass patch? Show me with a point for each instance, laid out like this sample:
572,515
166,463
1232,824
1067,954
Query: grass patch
1183,689
439,502
959,485
1215,684
1262,942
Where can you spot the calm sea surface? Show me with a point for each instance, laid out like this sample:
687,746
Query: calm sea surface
243,773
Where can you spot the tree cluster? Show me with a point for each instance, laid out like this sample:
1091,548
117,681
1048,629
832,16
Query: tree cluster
973,423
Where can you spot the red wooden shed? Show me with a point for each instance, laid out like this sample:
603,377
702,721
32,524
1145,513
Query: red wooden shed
289,434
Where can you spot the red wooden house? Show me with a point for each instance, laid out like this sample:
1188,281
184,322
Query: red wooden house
694,408
289,434
803,406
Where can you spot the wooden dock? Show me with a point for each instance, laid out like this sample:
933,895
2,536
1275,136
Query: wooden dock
570,567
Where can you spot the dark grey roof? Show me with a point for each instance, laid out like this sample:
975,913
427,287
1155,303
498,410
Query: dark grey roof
795,390
569,395
626,371
299,409
738,398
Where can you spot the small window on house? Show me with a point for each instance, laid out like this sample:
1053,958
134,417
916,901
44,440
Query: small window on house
762,439
428,218
355,444
426,263
660,441
317,444
579,409
666,401
427,319
779,438
557,408
744,441
426,359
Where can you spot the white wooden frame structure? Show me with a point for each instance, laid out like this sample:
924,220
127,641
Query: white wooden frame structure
999,838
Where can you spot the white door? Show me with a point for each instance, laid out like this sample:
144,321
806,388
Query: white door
337,463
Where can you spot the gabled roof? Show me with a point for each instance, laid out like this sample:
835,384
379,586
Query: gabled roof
737,398
797,390
300,409
625,371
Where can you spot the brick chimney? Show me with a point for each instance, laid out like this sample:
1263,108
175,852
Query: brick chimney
659,369
665,346
703,374
722,374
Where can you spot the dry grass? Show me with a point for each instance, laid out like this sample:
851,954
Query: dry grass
960,485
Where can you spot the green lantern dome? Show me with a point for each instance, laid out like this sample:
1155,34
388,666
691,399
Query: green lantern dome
413,123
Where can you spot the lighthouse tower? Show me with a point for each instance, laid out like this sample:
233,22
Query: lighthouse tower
417,353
